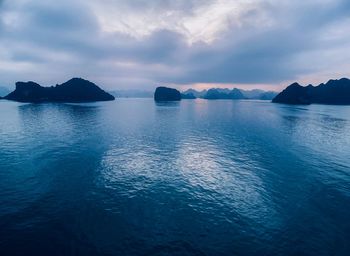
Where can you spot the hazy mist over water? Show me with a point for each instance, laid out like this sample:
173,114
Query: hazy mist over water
133,177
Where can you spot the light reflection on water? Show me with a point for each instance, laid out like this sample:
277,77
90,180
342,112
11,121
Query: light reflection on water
132,177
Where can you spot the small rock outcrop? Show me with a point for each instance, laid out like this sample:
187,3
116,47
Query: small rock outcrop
167,94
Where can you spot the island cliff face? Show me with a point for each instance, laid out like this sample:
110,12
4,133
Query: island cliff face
74,90
167,94
334,92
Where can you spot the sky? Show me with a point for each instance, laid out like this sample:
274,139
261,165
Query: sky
141,44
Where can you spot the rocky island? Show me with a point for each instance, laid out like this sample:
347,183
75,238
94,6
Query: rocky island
229,94
167,94
74,91
334,92
188,96
226,94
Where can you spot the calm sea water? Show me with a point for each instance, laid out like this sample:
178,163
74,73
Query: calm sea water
132,177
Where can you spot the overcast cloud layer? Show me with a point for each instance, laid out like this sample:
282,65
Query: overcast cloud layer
144,43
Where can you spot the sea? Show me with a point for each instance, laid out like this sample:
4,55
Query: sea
196,177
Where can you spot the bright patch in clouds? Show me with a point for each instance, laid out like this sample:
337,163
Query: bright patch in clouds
203,22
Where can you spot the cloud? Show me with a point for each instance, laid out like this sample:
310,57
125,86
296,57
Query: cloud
139,44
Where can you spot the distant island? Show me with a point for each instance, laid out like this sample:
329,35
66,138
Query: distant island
214,94
188,96
191,94
74,90
233,94
334,92
167,94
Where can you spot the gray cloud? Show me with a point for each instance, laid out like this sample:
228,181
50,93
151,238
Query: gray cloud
268,42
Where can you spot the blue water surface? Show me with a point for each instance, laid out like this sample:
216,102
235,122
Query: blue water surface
132,177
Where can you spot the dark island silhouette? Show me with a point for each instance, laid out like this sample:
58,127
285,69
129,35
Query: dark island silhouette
334,92
167,94
75,90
